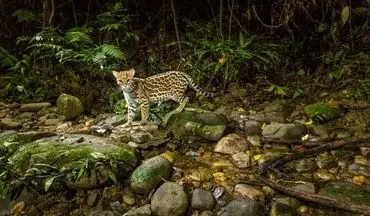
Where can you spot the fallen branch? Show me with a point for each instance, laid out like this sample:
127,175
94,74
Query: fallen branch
273,165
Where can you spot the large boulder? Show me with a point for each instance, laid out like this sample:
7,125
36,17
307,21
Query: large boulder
169,199
69,106
197,125
77,160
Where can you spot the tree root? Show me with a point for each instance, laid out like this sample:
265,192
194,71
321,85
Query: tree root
274,164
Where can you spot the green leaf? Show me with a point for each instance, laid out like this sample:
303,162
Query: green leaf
97,155
345,14
49,182
112,176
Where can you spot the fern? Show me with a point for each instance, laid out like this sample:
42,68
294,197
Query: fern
113,51
78,36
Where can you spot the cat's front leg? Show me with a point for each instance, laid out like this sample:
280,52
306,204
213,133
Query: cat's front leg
130,115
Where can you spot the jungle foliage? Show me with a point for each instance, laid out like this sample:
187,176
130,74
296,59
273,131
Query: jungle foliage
286,47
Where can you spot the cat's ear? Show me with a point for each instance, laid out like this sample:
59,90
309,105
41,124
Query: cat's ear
131,72
115,73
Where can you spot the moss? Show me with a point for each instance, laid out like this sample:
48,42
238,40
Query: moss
322,112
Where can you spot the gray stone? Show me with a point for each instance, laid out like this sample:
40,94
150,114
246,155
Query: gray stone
69,106
241,160
231,144
92,197
8,123
202,200
252,127
149,174
284,131
243,207
169,199
34,107
142,211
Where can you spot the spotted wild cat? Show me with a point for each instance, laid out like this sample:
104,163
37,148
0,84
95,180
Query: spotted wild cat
170,85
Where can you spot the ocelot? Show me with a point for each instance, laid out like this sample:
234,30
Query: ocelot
170,85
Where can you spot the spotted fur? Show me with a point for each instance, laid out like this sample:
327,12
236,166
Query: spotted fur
170,85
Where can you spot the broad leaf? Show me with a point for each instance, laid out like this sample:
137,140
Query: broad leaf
345,14
49,182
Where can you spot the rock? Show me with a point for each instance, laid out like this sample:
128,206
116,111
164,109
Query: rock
248,191
305,165
241,160
26,115
34,107
284,131
231,144
307,187
202,200
149,174
8,123
252,127
197,125
284,206
346,191
322,112
51,122
326,161
169,199
128,196
254,140
142,211
242,208
92,197
70,152
69,106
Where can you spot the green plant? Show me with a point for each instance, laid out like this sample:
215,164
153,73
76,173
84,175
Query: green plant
228,59
280,91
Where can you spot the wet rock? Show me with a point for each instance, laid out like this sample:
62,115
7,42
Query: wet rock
284,131
322,112
305,165
142,211
284,206
358,169
231,144
169,199
34,107
242,207
252,127
346,191
106,122
69,106
248,191
241,160
149,174
8,123
202,200
197,125
323,174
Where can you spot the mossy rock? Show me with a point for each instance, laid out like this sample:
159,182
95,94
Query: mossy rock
322,112
149,174
347,191
69,106
11,142
199,125
69,154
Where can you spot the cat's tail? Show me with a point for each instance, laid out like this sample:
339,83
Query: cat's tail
194,86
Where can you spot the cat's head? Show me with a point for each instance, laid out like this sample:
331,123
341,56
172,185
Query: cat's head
124,79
